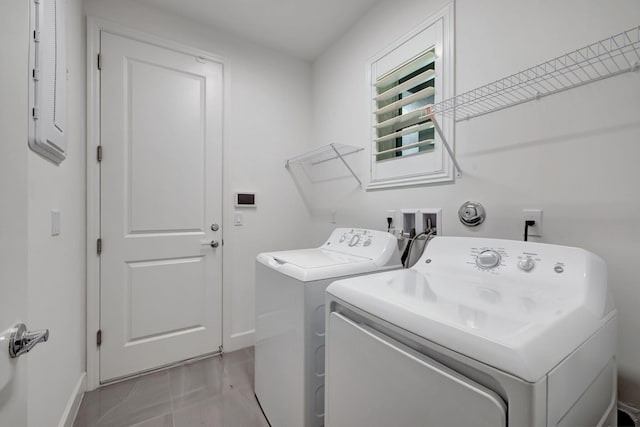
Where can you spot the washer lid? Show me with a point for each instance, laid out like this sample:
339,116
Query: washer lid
348,251
315,258
516,321
317,264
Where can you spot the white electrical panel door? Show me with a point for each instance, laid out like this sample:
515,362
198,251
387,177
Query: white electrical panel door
48,79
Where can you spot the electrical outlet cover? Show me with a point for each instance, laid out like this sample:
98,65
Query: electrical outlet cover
237,218
534,215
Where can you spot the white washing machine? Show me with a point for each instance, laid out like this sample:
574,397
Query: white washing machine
290,322
480,332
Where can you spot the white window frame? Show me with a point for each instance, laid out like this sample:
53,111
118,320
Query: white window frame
424,168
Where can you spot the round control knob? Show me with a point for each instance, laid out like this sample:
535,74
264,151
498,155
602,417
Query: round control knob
488,259
354,240
526,264
367,243
342,238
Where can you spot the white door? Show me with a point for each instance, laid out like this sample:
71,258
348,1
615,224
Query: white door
14,27
13,309
161,185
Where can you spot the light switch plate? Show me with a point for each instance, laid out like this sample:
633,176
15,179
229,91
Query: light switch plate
55,222
237,218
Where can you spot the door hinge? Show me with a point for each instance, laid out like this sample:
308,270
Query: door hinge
99,61
99,337
99,246
99,154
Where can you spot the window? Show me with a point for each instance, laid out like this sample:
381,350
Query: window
412,73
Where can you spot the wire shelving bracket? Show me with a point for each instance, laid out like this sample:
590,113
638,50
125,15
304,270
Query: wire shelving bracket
609,57
325,154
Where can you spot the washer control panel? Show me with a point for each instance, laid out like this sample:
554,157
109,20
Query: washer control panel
361,242
352,237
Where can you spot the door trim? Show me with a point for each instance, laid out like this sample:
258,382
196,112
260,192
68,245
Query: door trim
94,27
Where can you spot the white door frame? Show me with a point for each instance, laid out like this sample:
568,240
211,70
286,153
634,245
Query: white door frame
94,27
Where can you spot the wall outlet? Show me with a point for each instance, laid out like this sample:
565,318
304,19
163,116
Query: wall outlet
535,215
391,213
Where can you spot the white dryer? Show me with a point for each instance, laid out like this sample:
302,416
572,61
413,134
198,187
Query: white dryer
290,319
480,332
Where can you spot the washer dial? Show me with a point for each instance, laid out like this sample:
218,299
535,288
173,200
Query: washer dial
354,240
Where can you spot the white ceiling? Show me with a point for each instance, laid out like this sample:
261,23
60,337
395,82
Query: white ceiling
303,28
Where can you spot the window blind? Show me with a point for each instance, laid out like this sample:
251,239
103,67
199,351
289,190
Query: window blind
401,94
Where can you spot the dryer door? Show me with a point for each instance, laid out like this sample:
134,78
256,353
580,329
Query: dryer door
372,380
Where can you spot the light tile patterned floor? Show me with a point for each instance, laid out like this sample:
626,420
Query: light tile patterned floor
216,392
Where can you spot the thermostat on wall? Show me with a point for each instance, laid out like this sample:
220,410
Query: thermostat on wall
245,200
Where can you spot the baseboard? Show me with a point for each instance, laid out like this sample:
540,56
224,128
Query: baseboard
70,412
240,340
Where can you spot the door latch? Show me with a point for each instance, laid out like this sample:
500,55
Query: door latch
212,243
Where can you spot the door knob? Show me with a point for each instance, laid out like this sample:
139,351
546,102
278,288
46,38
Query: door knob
212,243
22,341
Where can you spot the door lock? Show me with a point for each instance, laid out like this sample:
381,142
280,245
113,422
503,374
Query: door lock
215,227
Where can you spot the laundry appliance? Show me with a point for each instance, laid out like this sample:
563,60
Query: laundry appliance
479,332
290,319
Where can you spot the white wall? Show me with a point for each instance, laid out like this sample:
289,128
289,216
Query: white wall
57,268
50,270
267,118
574,154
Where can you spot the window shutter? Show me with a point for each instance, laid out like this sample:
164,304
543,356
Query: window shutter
401,126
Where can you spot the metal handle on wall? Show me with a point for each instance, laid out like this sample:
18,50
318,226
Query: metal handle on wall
22,341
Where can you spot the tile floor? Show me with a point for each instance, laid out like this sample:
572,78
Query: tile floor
216,392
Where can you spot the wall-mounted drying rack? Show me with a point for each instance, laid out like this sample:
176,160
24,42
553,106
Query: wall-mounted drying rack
325,154
609,57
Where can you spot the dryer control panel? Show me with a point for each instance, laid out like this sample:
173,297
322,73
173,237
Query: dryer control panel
516,279
509,259
499,256
373,244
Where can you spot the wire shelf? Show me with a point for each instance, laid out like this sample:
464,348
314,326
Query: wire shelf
325,154
606,58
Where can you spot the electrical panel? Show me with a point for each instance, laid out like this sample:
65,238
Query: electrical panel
48,79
